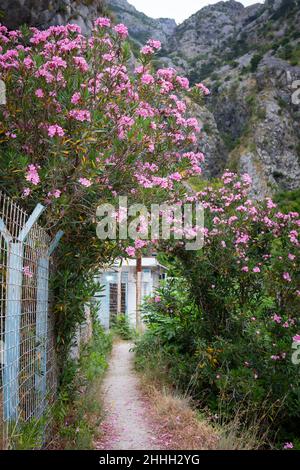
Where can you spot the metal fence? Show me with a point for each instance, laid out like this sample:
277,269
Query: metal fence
28,376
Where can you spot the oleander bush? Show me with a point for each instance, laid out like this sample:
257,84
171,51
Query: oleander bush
224,326
81,127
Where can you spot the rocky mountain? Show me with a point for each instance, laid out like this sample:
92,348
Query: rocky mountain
140,26
250,59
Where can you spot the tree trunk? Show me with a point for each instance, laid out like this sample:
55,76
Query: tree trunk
138,291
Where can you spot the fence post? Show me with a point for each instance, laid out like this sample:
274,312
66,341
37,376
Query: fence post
12,331
42,323
41,330
13,314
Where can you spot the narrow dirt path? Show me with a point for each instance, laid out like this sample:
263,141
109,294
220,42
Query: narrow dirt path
127,424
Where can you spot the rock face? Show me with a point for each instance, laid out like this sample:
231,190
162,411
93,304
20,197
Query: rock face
140,26
210,28
269,147
44,13
250,59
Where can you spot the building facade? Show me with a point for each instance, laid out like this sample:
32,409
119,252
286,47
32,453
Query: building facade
117,288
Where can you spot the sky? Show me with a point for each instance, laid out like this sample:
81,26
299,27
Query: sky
177,9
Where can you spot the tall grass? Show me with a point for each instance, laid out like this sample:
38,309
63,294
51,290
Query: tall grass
78,412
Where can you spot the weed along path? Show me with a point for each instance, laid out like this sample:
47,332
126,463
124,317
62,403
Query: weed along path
127,424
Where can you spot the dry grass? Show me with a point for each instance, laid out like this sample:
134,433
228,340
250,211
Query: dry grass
233,438
249,429
188,429
178,421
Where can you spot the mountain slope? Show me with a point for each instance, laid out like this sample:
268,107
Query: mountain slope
250,58
140,26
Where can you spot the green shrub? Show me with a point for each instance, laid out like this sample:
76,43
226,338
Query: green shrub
289,200
255,61
122,328
223,327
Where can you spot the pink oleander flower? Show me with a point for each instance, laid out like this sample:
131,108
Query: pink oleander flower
140,243
56,193
157,299
56,62
108,57
256,269
80,115
270,204
130,250
12,135
288,445
275,358
26,192
39,93
121,30
151,148
287,277
154,43
247,179
296,339
32,175
175,176
147,50
28,62
54,130
203,88
27,271
85,182
76,97
102,22
147,79
81,64
139,69
183,82
277,318
245,269
291,256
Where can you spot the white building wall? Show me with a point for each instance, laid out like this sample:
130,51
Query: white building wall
150,281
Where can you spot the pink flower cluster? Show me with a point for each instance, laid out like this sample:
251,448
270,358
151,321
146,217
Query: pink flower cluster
32,175
121,30
203,88
151,47
55,130
80,115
